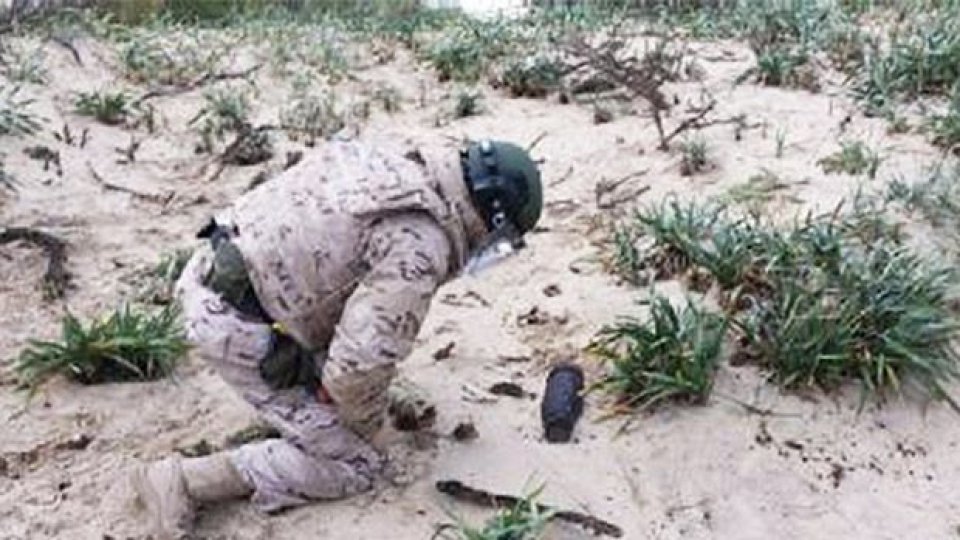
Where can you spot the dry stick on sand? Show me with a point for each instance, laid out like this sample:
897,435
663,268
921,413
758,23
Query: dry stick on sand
642,77
55,279
162,200
462,492
197,83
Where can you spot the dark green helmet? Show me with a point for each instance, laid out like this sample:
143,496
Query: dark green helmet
504,183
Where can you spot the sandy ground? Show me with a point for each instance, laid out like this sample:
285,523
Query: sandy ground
813,469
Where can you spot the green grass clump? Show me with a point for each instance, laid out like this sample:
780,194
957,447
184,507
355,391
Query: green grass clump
23,65
312,114
921,58
853,158
656,244
946,127
524,521
466,49
670,357
15,118
225,111
467,103
108,108
532,76
882,320
696,156
831,299
936,199
126,346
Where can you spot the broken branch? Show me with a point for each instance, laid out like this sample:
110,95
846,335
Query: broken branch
462,492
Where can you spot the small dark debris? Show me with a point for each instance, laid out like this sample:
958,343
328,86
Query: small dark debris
77,442
416,157
508,389
763,438
444,352
520,359
465,431
837,474
793,445
533,317
197,449
602,115
551,290
293,158
64,485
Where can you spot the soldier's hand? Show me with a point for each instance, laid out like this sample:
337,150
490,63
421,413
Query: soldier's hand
323,396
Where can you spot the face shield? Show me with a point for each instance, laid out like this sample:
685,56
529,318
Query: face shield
501,244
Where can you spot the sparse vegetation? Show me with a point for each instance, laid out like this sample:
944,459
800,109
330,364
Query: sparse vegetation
22,64
854,158
467,102
946,126
15,117
532,76
695,154
936,199
110,108
922,57
125,346
226,111
312,114
171,57
670,357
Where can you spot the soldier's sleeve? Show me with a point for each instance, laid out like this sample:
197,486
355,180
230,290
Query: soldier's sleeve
381,320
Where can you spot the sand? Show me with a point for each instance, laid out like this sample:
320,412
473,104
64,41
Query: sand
813,468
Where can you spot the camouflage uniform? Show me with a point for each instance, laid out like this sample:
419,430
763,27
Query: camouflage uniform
345,252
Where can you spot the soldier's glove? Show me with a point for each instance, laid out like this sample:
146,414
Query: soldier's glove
288,365
409,407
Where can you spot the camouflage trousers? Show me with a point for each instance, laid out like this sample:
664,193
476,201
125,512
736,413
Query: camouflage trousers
316,458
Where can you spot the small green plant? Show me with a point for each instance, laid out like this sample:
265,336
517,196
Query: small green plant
946,126
696,156
15,118
313,114
24,66
759,188
7,180
226,111
672,356
125,346
157,283
778,66
388,97
532,76
108,108
467,103
937,198
781,143
854,158
657,243
523,521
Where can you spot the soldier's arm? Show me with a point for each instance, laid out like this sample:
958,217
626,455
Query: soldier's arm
381,320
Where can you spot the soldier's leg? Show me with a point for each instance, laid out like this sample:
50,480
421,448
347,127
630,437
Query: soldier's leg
316,458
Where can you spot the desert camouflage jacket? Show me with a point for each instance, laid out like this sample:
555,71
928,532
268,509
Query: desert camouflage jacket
346,250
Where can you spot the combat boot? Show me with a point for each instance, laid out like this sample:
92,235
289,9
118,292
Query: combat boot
169,491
